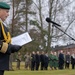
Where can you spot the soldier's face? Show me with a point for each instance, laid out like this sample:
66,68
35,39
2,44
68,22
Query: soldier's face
4,13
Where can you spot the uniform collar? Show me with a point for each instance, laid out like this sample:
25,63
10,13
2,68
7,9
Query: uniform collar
3,22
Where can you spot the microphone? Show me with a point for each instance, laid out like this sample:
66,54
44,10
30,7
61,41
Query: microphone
49,20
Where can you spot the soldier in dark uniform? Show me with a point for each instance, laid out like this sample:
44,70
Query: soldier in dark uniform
67,60
42,60
46,61
37,60
33,59
6,48
61,60
73,60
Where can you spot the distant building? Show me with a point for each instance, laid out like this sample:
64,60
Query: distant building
70,48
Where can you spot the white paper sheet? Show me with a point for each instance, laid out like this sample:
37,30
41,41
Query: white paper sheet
21,39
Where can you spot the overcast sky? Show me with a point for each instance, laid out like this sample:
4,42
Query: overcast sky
61,42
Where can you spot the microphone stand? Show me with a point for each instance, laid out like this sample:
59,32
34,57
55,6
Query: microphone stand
64,32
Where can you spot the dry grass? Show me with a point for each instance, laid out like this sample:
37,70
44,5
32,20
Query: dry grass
44,72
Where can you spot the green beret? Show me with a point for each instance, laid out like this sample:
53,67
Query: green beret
4,5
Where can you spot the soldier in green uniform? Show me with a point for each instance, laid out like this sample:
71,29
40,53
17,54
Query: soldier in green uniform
51,57
55,61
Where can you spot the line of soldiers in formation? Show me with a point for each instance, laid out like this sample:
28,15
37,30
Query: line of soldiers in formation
36,61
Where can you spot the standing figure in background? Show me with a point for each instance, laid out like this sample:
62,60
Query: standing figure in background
67,60
42,60
33,59
55,61
27,61
6,48
18,60
61,60
73,60
46,61
51,57
37,63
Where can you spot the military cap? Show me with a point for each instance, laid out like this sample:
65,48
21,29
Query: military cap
4,5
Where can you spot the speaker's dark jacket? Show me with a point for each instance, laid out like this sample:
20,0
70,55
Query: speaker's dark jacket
4,57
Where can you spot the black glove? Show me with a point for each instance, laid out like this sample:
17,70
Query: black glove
13,48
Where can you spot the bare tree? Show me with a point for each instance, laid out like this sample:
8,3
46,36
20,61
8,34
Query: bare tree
58,11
